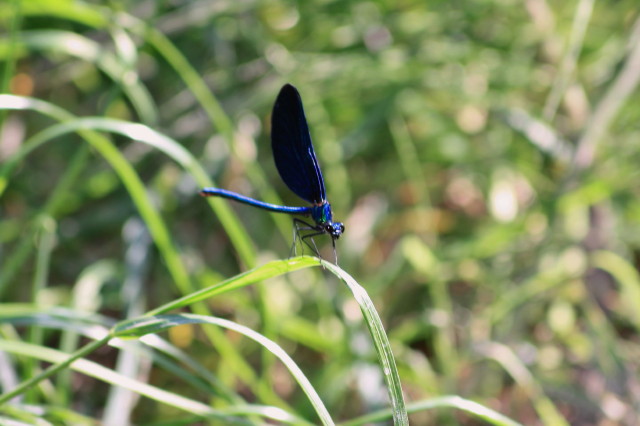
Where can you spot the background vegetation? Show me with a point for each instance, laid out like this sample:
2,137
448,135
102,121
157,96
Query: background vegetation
483,156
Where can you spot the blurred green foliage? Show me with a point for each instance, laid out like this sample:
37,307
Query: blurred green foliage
483,156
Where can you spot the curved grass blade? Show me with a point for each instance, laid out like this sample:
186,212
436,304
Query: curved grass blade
30,414
449,401
83,48
136,189
89,324
92,369
92,15
547,411
156,324
381,342
94,326
137,132
102,18
268,270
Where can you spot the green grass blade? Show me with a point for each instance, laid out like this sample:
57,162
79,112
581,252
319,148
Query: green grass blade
159,323
178,153
95,370
268,270
381,342
504,356
15,8
122,167
449,401
89,51
91,15
77,363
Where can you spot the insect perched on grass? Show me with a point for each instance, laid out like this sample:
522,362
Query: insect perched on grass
298,167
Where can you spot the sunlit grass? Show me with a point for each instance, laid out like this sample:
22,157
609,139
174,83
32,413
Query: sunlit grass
483,158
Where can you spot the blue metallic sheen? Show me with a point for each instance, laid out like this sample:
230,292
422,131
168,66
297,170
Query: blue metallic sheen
208,192
298,166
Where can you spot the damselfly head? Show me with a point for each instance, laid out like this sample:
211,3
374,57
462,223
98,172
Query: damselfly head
335,229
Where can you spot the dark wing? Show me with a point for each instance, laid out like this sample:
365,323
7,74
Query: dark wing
292,149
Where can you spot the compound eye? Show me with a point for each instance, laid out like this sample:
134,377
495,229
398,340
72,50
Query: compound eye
328,228
341,228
